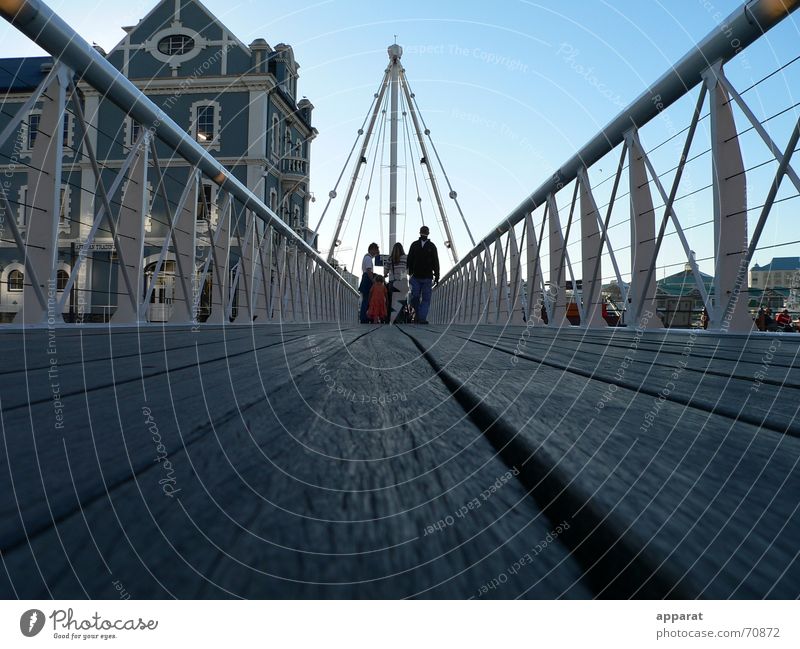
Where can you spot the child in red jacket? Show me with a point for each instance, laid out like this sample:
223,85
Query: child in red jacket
378,296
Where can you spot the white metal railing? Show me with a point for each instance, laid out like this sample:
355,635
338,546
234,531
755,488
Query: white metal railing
243,264
520,271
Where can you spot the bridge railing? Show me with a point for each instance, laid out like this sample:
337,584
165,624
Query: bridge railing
544,264
171,235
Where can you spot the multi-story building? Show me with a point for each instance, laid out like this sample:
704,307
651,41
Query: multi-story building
237,101
781,272
678,300
775,284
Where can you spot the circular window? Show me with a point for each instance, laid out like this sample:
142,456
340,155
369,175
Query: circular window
176,45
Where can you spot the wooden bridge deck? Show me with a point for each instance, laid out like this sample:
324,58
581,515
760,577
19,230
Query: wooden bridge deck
384,462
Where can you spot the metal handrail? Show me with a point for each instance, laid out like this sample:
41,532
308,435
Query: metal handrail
736,32
43,26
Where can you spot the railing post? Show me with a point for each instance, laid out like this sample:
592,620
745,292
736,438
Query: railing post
455,297
328,295
184,241
306,282
590,256
438,307
260,283
557,315
300,302
515,298
641,294
244,311
220,257
319,289
469,293
130,239
471,297
730,211
337,308
313,293
289,313
297,285
533,309
484,290
493,272
44,190
463,292
455,294
332,300
280,288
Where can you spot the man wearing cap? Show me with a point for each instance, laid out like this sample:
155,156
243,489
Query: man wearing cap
423,266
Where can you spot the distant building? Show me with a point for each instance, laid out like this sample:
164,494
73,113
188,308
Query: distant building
678,300
613,292
781,272
239,102
347,275
774,298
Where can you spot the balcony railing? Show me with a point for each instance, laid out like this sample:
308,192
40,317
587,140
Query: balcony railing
294,166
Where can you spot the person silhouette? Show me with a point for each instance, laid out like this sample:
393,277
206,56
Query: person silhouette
398,280
367,280
423,266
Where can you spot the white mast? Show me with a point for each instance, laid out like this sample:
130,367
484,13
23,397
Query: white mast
395,54
395,82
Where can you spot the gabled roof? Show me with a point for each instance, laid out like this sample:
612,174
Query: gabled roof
683,283
23,74
200,5
780,264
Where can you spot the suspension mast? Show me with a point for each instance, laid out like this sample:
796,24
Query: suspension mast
395,54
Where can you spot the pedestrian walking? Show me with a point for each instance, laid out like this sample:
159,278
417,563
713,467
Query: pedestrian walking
423,267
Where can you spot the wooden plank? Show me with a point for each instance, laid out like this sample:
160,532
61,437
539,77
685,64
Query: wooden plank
287,487
765,378
710,500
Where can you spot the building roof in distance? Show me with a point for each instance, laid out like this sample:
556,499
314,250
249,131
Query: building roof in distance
683,283
780,264
23,74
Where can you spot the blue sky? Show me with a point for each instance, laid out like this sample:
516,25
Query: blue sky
509,89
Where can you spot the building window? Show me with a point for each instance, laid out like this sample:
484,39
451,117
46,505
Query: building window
67,131
24,208
133,129
62,277
273,200
33,129
276,136
176,45
16,281
205,123
206,120
148,219
64,209
298,148
288,142
296,218
205,201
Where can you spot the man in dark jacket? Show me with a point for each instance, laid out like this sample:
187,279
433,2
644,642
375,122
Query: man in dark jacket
423,266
